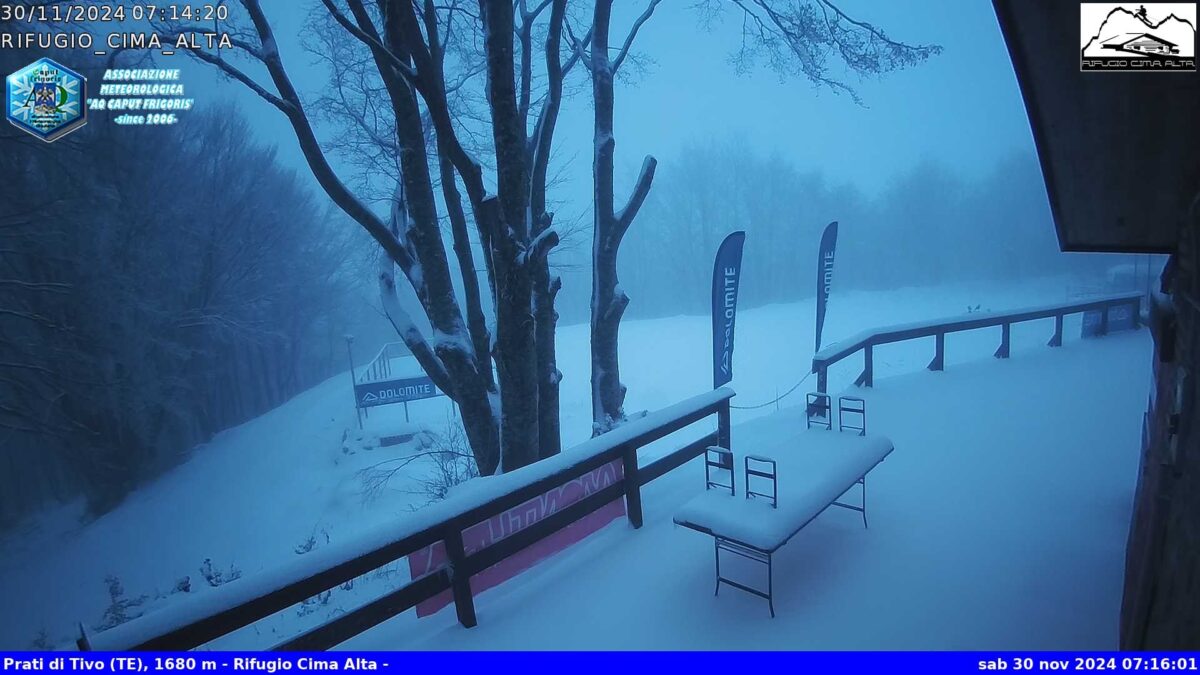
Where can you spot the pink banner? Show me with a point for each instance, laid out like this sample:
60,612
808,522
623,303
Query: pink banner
488,532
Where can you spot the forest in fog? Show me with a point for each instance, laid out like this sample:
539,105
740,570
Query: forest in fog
928,227
155,293
140,333
151,295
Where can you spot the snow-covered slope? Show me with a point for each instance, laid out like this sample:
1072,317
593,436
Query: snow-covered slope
245,501
257,493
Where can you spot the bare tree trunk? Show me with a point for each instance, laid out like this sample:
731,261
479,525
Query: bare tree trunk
415,223
469,390
545,285
476,323
545,289
609,227
516,348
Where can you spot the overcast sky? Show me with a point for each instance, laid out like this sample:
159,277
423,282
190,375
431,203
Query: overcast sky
961,108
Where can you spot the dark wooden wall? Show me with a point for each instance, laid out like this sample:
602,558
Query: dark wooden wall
1161,608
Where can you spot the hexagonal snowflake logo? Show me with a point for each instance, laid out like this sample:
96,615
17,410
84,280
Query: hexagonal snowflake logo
46,99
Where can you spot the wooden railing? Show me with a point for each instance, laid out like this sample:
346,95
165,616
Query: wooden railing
867,341
232,606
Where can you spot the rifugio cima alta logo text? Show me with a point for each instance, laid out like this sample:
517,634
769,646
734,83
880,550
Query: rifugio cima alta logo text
1141,38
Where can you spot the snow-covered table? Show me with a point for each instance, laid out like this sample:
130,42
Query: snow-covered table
812,469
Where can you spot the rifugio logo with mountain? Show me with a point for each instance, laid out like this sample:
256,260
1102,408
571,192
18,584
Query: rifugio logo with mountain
1150,37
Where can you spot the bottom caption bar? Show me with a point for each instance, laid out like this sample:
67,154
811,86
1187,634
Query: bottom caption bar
881,662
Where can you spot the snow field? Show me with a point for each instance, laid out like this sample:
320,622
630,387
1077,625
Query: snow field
259,494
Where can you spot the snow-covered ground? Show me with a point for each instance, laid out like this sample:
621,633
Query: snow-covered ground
948,532
999,522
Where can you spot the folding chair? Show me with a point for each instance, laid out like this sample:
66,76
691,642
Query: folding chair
762,467
716,457
856,409
819,410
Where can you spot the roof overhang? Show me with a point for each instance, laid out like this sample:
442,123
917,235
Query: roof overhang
1120,152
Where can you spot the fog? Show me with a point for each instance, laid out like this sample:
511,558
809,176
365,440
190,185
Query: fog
161,286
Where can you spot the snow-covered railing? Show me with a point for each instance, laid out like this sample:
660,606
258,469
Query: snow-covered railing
380,367
866,341
234,605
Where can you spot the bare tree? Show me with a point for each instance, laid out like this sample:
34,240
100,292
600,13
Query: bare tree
805,37
609,224
797,37
511,418
420,57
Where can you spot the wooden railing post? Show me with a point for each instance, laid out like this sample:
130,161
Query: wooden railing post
723,436
939,354
1005,339
1056,339
867,379
633,486
460,580
84,643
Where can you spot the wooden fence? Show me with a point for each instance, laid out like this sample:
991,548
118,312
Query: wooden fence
233,606
238,604
867,341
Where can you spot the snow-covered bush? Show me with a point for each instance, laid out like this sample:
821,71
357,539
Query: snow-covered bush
215,577
120,608
41,642
310,543
452,463
313,604
447,454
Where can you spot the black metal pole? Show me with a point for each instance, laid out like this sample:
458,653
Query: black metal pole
350,354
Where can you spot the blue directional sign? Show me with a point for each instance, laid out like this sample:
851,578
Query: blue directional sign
400,390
